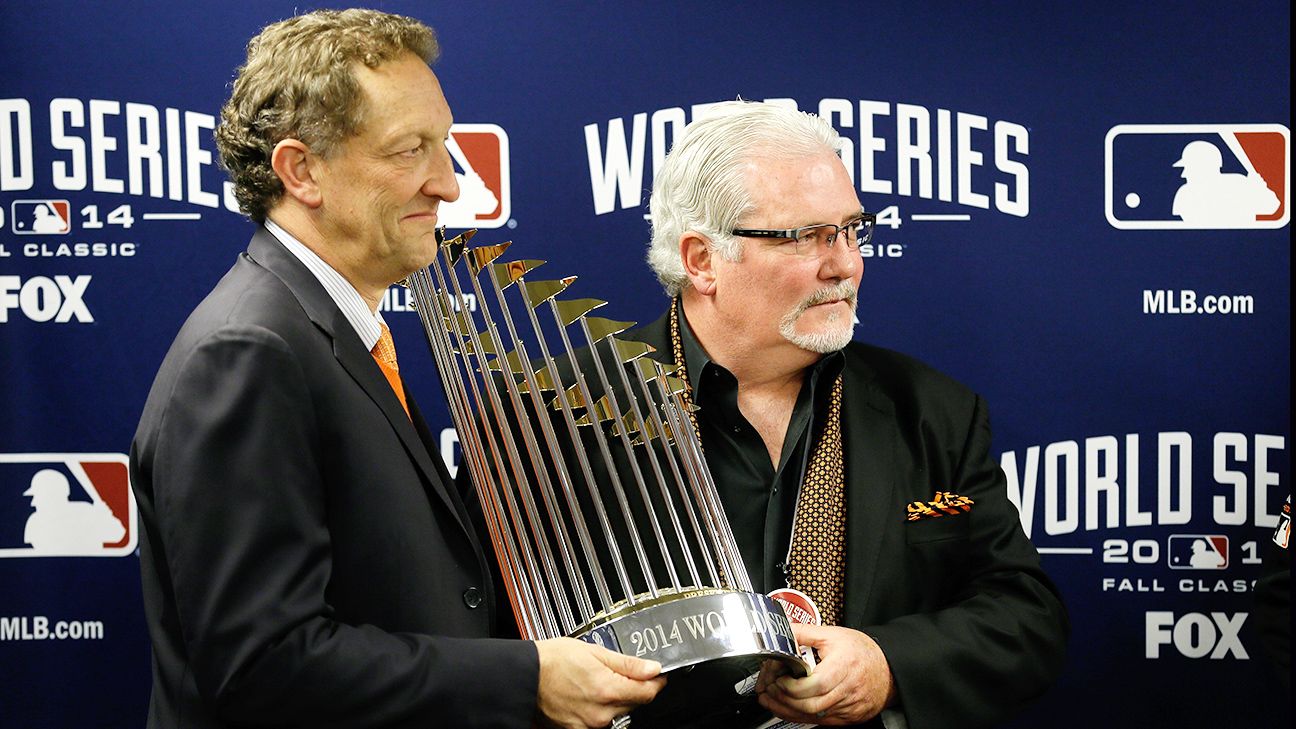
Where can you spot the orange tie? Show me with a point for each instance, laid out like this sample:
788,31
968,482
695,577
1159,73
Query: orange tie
384,353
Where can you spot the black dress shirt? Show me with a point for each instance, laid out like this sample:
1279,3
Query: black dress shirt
759,498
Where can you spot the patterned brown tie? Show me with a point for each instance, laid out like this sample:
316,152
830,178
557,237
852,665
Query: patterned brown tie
817,559
817,562
384,353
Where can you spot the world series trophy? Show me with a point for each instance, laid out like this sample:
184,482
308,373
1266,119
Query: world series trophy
601,510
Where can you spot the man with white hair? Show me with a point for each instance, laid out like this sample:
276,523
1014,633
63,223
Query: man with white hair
854,474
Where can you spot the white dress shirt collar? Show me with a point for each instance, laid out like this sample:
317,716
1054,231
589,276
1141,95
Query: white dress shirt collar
367,323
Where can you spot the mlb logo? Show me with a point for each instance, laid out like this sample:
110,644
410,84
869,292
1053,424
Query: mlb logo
1198,551
66,505
1198,176
41,217
481,156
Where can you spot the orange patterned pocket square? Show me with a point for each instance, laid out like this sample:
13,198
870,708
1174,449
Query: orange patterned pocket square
945,502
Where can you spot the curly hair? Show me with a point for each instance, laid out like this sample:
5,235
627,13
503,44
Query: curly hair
299,82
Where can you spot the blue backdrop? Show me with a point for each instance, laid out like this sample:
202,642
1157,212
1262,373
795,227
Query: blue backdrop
1022,157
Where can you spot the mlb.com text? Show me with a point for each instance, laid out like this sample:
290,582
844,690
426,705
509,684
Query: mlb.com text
1186,301
38,627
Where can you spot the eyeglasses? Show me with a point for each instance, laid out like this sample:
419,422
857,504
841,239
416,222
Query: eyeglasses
809,240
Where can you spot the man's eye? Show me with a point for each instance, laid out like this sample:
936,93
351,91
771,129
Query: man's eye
810,235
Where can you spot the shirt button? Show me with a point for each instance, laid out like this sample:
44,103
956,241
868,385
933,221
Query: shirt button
737,428
472,597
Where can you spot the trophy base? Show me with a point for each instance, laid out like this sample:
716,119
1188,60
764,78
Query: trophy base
691,627
696,626
710,640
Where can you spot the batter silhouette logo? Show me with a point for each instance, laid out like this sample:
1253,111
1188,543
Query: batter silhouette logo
1198,176
1198,551
481,157
66,505
41,217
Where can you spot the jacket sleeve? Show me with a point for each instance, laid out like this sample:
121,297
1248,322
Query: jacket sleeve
1272,594
999,638
242,512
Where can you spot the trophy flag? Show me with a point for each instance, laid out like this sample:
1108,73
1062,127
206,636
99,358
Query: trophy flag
599,504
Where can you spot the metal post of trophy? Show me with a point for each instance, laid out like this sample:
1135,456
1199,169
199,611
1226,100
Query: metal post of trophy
599,504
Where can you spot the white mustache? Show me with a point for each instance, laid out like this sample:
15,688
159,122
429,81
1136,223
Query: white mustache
842,291
828,341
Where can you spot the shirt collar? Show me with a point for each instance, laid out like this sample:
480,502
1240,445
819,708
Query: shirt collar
696,359
366,322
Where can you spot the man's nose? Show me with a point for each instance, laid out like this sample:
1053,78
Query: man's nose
441,181
840,258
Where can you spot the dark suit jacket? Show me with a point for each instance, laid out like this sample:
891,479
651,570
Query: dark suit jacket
970,624
305,559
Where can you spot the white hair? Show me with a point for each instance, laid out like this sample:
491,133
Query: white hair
701,186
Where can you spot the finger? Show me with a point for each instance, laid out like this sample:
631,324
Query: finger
816,684
790,690
630,694
629,666
641,692
783,710
811,635
769,671
817,709
838,706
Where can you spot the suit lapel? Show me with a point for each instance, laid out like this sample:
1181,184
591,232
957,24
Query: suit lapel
359,363
871,472
431,446
868,421
267,251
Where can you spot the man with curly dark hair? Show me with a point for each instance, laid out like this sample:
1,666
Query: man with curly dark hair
307,561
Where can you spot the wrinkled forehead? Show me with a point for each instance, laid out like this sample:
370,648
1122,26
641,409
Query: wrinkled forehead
815,183
403,92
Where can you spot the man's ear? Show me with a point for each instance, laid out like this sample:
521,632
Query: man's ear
296,168
698,259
